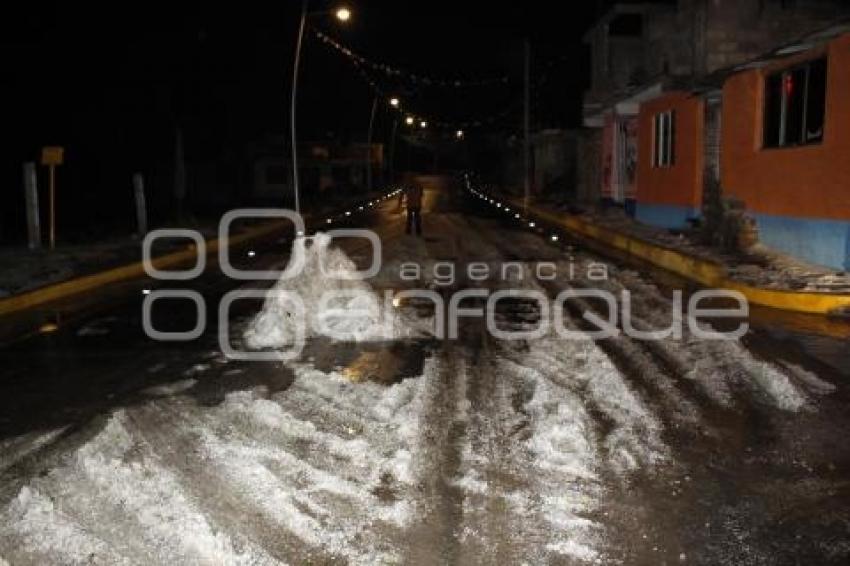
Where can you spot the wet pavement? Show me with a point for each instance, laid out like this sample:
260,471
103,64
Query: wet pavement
120,450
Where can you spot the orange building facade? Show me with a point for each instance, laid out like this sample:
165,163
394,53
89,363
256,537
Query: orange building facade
798,193
669,191
784,151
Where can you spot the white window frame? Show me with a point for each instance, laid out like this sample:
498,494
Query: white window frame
663,150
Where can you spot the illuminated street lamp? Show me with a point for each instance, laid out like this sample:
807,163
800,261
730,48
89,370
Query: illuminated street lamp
459,134
342,14
394,102
409,120
423,124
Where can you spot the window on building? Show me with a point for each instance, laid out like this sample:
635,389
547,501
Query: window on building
794,104
664,147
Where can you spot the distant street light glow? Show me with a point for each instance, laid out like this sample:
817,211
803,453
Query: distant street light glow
409,120
459,134
394,102
423,124
343,14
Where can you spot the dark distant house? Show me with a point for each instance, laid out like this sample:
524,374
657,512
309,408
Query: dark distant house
324,168
552,163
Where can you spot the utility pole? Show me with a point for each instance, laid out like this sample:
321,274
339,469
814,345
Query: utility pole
369,145
179,173
392,151
526,119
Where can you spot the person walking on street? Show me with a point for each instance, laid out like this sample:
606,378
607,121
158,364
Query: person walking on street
412,194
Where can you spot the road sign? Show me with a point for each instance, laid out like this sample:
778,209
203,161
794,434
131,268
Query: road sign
52,155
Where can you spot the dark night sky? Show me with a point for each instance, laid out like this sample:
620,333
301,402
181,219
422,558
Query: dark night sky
110,81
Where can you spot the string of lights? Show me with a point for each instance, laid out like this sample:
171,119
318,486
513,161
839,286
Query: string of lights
500,115
401,74
417,118
412,118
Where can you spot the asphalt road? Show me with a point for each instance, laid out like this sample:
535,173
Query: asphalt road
410,449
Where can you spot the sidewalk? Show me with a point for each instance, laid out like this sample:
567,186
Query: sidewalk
23,270
765,277
29,278
757,266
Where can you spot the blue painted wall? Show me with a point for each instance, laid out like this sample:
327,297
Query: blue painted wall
823,242
818,241
665,215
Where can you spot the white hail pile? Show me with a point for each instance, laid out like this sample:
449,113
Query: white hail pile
357,313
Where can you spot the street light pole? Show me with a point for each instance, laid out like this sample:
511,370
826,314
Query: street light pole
342,14
292,108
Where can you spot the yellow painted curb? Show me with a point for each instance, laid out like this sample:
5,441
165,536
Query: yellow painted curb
702,271
134,270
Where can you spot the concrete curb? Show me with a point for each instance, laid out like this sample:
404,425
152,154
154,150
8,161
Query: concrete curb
706,273
135,270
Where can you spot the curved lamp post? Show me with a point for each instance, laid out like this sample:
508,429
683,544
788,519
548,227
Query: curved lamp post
342,14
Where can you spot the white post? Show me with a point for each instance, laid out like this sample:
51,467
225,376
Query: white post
141,206
31,196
